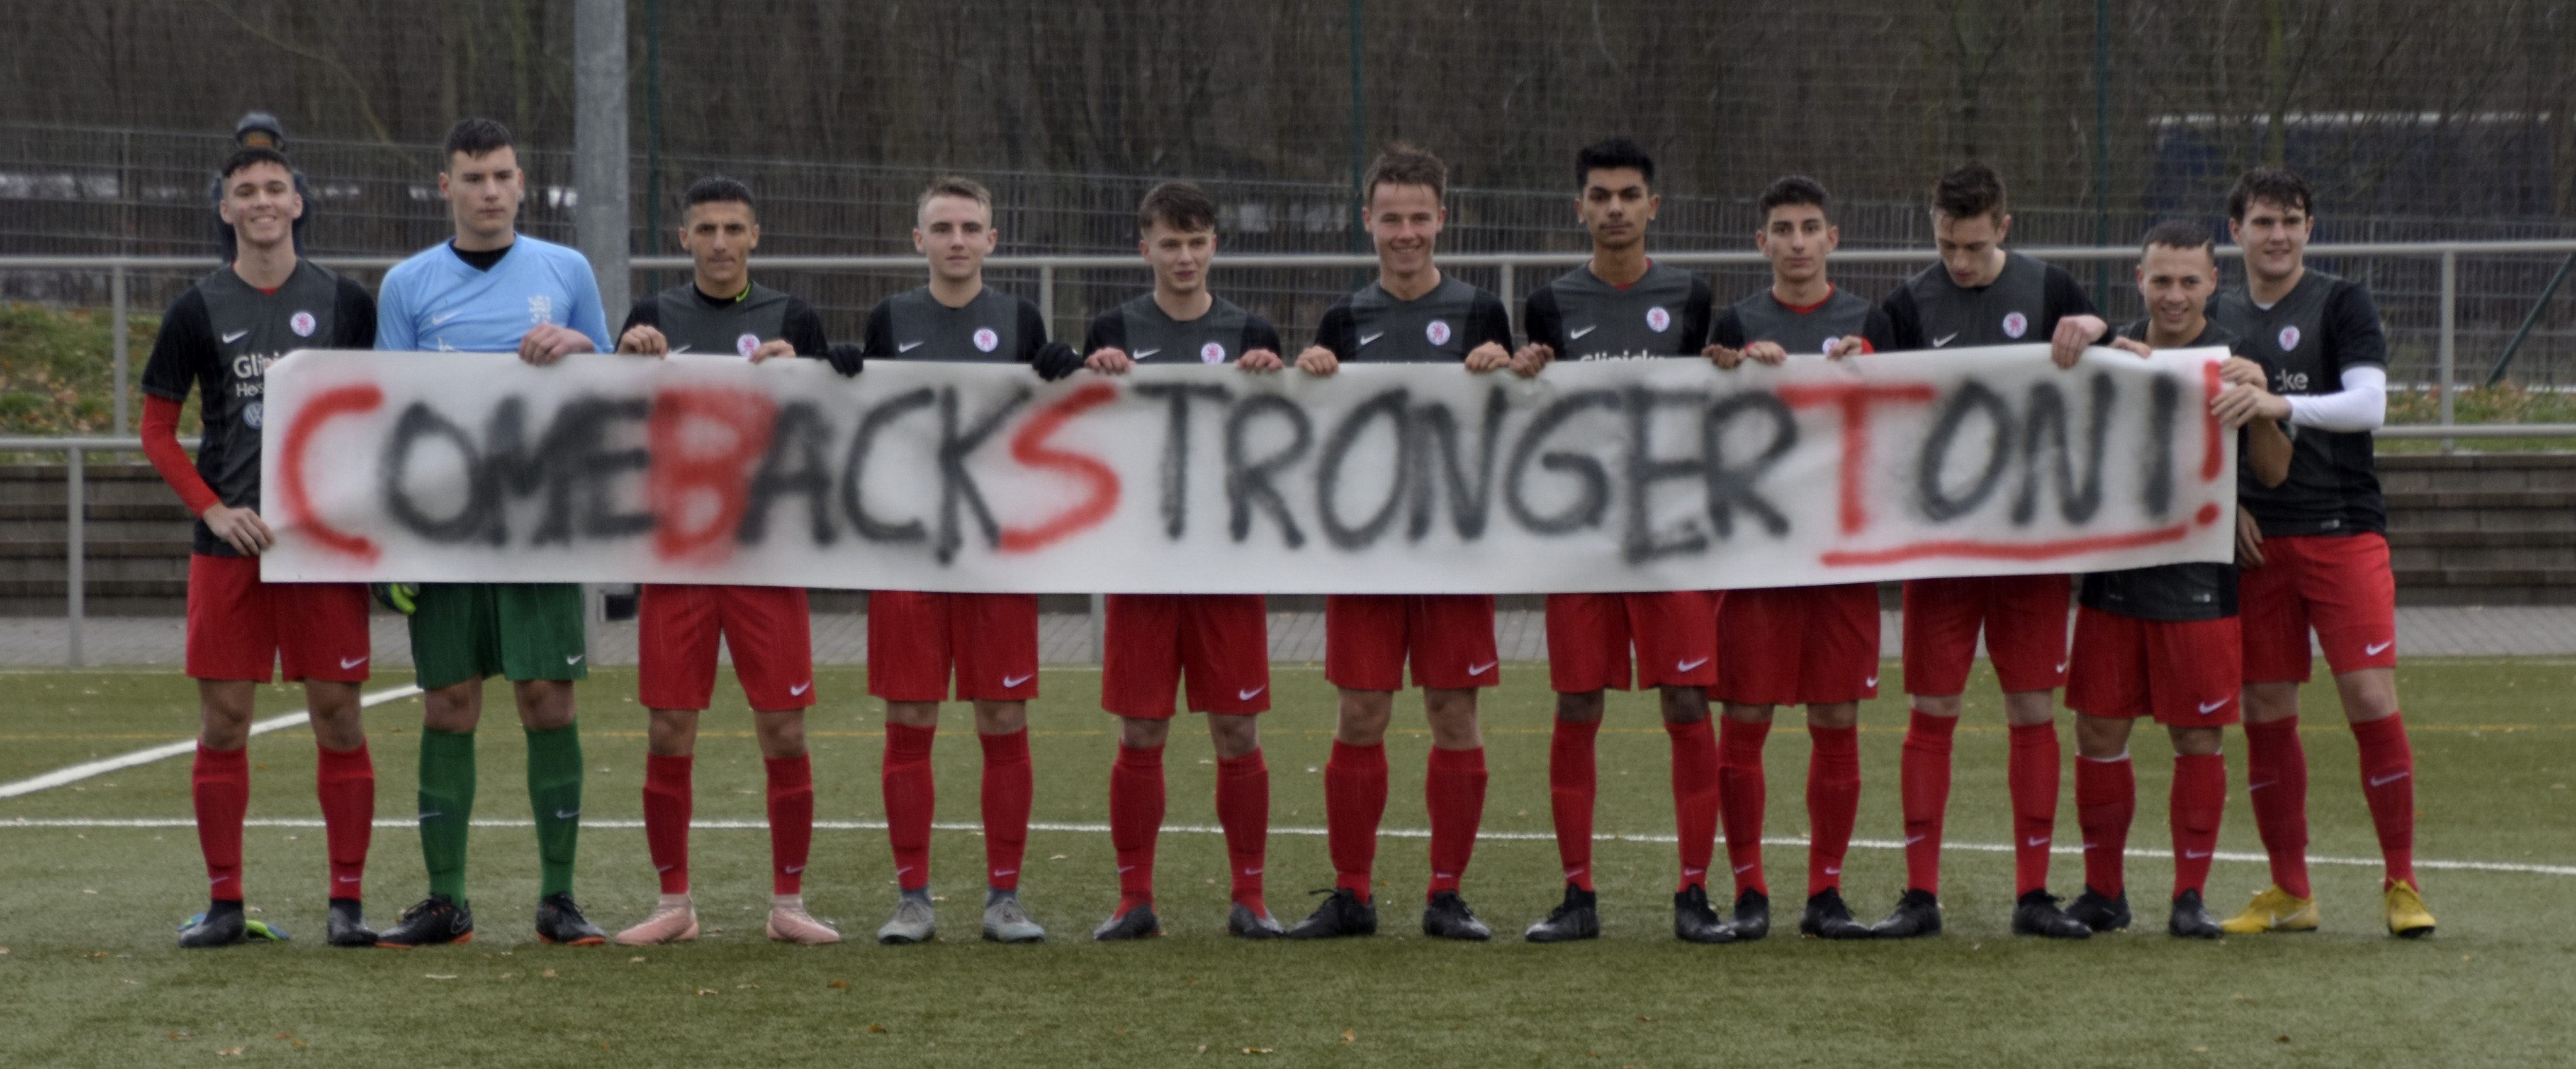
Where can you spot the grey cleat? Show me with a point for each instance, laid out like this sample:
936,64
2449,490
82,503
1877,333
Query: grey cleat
1007,921
912,923
1243,923
1137,923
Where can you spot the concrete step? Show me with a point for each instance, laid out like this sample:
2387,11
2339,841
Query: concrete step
2413,473
2483,556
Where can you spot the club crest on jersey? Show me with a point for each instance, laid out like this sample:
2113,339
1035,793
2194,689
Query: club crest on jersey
1212,353
2015,324
1437,331
986,340
541,309
747,344
302,324
2289,338
1658,320
253,413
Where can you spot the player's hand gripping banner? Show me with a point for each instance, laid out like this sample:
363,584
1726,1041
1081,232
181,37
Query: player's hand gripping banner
1608,476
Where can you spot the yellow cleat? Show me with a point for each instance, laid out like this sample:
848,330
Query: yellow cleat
2407,917
2276,910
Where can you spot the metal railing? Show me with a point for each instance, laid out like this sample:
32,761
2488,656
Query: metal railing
1506,265
75,516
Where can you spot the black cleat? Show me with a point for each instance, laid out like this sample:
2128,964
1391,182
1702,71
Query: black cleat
1752,916
1828,918
437,919
560,922
1447,917
1242,923
221,925
1917,914
1343,913
2101,914
2191,919
1695,922
2037,914
349,925
1137,923
1578,917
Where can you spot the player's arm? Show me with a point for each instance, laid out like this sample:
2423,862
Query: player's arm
396,332
1877,335
1489,334
800,333
353,315
1105,344
876,340
1904,320
1052,360
2360,351
185,346
641,334
1546,326
2078,325
1336,338
1697,319
585,327
1260,346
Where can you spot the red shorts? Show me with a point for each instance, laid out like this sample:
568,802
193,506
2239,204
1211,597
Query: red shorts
1589,635
916,638
1448,637
1799,645
240,628
1221,640
2023,616
767,629
2181,672
2339,585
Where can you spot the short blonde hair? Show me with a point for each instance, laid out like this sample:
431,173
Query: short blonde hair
954,186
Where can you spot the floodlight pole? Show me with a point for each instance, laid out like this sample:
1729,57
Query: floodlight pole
599,173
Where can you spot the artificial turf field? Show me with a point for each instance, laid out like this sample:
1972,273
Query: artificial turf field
90,976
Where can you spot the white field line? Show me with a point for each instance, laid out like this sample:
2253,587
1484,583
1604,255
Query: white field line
105,765
1210,829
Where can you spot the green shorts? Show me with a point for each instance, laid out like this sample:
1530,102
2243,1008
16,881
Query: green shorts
518,631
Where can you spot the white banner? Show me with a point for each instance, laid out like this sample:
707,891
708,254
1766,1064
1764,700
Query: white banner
1623,475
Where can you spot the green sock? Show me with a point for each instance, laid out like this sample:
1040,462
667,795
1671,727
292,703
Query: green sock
554,789
446,808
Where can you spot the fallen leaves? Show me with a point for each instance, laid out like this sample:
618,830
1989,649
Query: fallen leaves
550,974
636,960
876,1029
839,985
229,1052
1350,1036
439,975
706,991
1257,1050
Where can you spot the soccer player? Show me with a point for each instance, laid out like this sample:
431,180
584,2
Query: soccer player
1411,314
767,628
2163,641
1982,294
1818,645
917,639
2315,555
492,289
219,338
1222,641
1623,305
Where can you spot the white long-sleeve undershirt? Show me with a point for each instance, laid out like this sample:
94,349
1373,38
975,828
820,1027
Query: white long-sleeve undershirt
2362,404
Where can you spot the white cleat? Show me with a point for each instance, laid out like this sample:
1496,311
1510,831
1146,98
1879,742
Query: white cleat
668,924
791,924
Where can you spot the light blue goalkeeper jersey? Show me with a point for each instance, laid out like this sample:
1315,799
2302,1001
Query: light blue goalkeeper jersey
436,301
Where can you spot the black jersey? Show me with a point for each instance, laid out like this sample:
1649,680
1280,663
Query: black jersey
1580,316
994,328
696,323
2325,325
1145,332
2023,304
1439,327
220,337
2195,590
1813,329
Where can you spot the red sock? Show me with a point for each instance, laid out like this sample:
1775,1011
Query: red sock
1694,799
668,800
2276,779
1354,803
2106,802
791,821
1135,819
910,798
1454,790
1009,790
2388,784
1243,809
1571,783
1741,786
345,783
1833,804
1924,780
2033,773
2199,796
220,783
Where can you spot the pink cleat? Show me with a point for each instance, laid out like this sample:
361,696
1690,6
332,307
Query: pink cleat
791,924
670,923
